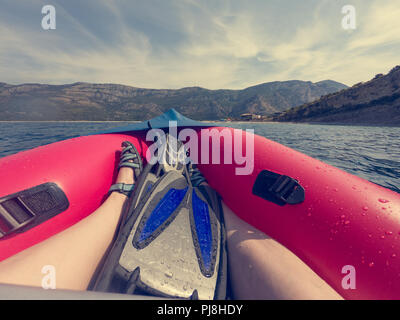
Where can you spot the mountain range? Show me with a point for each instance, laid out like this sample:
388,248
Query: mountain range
106,102
375,102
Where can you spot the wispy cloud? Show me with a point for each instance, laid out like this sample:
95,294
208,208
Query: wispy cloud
224,44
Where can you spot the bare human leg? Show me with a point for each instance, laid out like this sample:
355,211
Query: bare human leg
261,268
74,253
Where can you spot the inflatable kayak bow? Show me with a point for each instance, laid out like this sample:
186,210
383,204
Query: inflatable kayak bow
329,218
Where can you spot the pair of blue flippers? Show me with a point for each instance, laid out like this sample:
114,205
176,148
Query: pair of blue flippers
171,240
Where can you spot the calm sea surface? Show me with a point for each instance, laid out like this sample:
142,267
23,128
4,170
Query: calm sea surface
372,153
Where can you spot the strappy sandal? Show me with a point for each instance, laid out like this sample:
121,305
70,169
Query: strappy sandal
195,176
130,158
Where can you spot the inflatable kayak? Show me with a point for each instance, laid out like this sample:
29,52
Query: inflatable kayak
330,219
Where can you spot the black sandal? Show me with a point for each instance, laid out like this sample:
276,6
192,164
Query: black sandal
195,176
130,158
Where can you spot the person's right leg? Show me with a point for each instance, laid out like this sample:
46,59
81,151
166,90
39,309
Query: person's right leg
73,253
261,268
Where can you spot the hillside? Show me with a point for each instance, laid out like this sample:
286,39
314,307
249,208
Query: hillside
376,102
85,101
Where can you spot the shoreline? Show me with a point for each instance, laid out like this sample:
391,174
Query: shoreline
344,124
69,121
214,121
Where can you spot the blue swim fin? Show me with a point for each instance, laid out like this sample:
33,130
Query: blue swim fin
172,242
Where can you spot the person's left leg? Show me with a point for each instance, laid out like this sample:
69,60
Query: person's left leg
263,269
75,252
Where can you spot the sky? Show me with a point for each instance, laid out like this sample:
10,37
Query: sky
215,44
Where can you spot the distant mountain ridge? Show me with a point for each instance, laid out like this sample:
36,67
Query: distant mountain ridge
105,102
376,102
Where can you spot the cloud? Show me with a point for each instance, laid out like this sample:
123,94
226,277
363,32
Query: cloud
380,28
320,49
228,44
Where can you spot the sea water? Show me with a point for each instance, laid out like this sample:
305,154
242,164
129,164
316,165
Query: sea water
372,153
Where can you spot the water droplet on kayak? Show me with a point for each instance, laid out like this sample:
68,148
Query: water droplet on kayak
393,255
347,222
317,167
383,208
336,189
389,233
169,274
354,187
370,236
383,200
342,216
309,214
365,208
341,208
371,264
380,251
382,237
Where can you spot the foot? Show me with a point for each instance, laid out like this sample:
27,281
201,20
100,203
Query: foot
196,177
126,175
130,165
